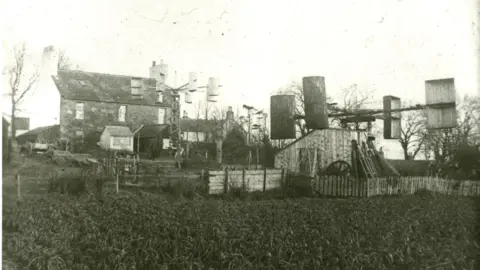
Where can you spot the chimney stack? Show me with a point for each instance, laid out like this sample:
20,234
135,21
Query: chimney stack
230,115
158,72
49,61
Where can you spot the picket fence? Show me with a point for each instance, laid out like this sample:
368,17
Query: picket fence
347,186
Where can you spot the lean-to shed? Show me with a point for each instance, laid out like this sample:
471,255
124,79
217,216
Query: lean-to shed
331,144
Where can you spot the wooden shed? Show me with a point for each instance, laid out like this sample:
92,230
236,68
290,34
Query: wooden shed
47,134
330,145
117,138
151,140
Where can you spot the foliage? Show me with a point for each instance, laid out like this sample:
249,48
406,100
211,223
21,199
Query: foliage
410,167
234,147
143,231
467,158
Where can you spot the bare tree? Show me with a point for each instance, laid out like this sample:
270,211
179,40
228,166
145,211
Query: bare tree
353,101
219,134
20,82
198,118
413,134
444,142
64,62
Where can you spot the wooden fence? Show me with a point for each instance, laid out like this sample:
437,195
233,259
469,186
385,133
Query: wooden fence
347,186
339,186
249,180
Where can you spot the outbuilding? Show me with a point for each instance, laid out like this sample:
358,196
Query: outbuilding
117,138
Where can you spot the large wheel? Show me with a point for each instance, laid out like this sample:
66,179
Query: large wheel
338,168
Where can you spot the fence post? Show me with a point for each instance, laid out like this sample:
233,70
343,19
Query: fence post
264,179
116,180
243,180
225,182
158,173
368,186
19,195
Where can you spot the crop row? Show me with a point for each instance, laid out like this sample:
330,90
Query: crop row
142,231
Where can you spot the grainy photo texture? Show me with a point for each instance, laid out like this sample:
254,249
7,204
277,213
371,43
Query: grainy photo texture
240,134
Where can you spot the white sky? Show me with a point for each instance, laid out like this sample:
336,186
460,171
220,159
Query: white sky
254,46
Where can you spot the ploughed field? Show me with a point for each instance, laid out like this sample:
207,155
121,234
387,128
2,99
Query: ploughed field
145,231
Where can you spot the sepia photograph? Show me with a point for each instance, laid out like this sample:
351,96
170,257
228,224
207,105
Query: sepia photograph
240,134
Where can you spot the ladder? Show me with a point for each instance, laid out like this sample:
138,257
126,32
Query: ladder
367,165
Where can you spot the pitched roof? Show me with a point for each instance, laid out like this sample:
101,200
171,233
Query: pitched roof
22,123
149,131
118,131
197,125
82,85
36,131
5,122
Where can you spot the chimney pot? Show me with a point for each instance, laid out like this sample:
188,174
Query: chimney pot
153,63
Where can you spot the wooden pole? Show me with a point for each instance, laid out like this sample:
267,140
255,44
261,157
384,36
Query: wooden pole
258,160
243,179
116,182
19,195
248,139
225,183
264,179
158,174
138,145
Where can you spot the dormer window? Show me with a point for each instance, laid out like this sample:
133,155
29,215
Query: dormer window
136,88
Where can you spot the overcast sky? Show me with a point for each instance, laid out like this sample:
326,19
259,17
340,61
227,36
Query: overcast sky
255,47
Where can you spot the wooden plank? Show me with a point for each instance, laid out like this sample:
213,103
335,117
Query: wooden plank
225,185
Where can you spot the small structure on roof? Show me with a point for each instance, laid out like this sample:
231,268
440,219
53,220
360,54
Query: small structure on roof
117,138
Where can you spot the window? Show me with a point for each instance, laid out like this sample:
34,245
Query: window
136,91
159,97
79,111
161,116
137,86
121,141
122,111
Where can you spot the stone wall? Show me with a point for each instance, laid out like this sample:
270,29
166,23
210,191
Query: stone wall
97,115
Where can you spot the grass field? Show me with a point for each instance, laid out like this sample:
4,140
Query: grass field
138,230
